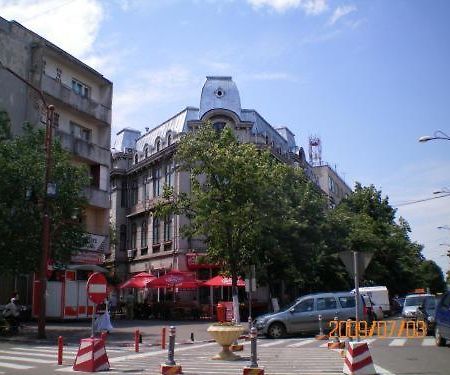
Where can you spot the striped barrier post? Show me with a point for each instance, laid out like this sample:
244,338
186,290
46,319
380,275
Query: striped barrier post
358,360
170,367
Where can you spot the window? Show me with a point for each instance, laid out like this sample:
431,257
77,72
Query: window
80,88
328,303
123,237
136,159
168,174
58,74
144,234
347,302
146,151
305,305
133,236
155,230
95,175
267,140
80,132
219,126
446,301
331,184
123,195
168,229
44,65
55,120
158,145
169,139
145,187
134,193
156,174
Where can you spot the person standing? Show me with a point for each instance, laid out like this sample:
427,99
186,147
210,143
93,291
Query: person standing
12,315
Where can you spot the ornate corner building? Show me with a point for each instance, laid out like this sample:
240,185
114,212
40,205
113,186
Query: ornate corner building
143,163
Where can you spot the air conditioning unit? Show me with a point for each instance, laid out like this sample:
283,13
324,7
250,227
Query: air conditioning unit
131,253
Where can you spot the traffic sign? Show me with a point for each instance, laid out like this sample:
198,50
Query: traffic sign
362,261
97,288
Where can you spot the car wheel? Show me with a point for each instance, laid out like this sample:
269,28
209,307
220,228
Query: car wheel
276,331
440,341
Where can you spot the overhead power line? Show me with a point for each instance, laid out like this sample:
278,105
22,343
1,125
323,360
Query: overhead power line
420,200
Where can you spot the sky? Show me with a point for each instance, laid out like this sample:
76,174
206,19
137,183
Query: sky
368,77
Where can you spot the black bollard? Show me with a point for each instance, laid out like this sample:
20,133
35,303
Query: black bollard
171,352
253,355
192,336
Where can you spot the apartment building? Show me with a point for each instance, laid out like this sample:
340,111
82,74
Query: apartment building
143,163
82,98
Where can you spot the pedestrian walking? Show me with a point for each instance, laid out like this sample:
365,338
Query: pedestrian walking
11,313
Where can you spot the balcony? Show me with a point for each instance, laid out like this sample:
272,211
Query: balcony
65,94
143,206
83,149
96,197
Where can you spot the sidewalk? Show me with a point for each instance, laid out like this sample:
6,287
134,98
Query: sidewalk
123,333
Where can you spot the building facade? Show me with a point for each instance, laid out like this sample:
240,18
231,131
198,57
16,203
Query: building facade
143,164
82,98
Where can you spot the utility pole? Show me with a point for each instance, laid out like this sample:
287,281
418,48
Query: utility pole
45,211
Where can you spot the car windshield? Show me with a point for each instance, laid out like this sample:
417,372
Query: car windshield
414,301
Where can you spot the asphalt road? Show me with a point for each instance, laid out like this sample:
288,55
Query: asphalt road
285,356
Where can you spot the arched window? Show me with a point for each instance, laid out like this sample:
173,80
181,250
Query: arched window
267,139
158,145
136,159
146,151
169,139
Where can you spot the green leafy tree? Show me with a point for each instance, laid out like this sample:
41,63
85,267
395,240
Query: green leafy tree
233,196
366,222
432,277
22,168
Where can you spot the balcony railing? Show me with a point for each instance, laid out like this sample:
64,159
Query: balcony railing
84,149
65,94
96,197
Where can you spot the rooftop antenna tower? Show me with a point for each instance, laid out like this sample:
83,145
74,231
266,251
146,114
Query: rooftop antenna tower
315,150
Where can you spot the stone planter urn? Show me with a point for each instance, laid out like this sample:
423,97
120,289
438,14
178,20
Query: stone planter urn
225,335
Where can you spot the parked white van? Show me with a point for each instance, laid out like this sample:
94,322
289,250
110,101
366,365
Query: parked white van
379,295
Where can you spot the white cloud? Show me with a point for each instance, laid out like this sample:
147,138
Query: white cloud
71,25
150,88
339,12
312,7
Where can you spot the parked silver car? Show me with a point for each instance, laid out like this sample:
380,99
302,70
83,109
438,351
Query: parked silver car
302,315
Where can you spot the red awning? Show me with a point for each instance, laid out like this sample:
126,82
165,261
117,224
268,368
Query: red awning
175,279
138,281
223,281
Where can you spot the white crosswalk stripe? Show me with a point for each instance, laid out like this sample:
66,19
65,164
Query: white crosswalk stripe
302,343
398,342
428,342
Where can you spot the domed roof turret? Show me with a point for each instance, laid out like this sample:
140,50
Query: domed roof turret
220,92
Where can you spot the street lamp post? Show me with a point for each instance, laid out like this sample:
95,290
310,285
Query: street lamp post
46,215
438,134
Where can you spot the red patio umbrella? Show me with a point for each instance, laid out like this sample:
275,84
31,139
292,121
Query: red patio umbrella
223,281
175,279
138,281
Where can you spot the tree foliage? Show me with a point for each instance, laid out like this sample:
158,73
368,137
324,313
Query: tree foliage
250,208
22,165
